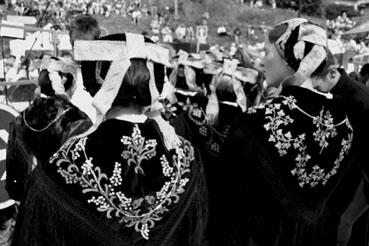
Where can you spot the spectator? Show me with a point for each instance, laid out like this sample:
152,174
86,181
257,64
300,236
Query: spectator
167,34
190,34
181,31
222,31
237,34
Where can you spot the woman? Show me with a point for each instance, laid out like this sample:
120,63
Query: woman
208,132
188,79
131,181
288,158
45,125
356,97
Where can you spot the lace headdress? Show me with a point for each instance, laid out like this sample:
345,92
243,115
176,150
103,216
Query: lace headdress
120,53
307,61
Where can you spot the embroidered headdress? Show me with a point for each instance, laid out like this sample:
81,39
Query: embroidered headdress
188,63
303,45
120,53
238,75
55,65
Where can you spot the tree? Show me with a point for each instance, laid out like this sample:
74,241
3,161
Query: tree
309,7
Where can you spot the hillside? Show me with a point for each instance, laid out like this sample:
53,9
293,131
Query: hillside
221,12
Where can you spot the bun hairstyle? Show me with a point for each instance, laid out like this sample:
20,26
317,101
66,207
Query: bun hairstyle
46,85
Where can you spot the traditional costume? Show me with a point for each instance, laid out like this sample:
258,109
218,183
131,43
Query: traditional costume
131,181
208,126
44,126
289,161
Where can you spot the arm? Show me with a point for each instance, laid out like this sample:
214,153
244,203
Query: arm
355,209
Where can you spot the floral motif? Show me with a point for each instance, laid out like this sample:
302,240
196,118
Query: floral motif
284,141
203,130
139,213
197,116
326,129
138,149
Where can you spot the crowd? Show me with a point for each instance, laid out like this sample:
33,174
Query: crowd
341,24
252,144
62,10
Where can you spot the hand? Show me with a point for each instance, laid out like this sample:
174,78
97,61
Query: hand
344,231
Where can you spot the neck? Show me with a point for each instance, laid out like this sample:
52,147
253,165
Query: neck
308,84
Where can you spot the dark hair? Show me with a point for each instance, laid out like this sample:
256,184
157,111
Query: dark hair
289,56
224,90
84,27
277,32
91,69
365,70
45,83
135,86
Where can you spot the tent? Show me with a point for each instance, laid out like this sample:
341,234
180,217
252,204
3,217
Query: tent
359,29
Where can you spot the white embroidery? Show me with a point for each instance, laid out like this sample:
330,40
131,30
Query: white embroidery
138,149
140,213
284,141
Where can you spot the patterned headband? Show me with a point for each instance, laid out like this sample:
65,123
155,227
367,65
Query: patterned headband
120,53
52,65
308,33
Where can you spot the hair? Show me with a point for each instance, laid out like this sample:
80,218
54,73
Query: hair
45,83
365,70
224,89
135,86
89,70
84,27
289,56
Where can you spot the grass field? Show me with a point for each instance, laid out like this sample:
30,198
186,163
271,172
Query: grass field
221,12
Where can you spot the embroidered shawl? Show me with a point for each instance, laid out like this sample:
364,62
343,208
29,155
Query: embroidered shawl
118,186
289,160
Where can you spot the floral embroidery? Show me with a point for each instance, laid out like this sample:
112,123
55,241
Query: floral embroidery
203,131
255,108
214,137
326,129
284,141
138,149
140,213
197,115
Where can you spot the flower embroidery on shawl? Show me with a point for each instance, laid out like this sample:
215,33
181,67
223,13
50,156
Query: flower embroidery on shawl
214,136
138,149
141,213
286,143
326,129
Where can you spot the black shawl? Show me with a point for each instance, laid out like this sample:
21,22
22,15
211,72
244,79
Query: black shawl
58,119
95,185
290,171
